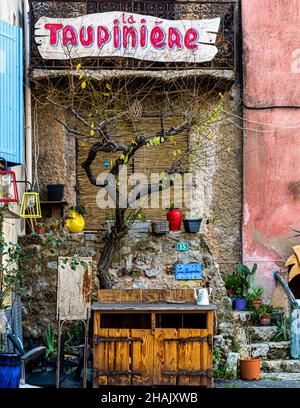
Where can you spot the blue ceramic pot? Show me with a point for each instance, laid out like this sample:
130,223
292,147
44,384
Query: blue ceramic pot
240,304
192,225
10,370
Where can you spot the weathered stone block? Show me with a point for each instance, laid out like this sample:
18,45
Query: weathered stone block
291,366
271,366
262,333
219,341
232,363
259,350
241,318
280,349
138,284
152,273
52,265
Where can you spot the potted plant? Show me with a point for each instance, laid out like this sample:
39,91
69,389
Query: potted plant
244,274
54,228
265,313
138,223
192,224
232,284
160,227
174,216
75,222
55,192
254,299
249,367
240,300
41,228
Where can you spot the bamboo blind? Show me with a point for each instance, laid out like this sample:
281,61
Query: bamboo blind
149,159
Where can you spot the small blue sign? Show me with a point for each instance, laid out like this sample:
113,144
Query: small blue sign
188,271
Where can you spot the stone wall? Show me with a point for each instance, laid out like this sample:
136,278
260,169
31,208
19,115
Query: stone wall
141,262
54,152
217,172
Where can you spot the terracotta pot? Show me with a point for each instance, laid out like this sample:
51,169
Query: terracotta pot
250,369
257,303
265,320
231,292
174,217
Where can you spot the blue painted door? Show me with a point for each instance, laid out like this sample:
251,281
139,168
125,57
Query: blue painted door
11,93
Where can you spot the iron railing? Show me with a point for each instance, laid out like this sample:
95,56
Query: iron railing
168,9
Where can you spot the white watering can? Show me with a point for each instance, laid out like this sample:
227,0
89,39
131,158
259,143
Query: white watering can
202,296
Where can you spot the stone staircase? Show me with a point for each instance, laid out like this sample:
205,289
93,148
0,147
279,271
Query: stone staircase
275,355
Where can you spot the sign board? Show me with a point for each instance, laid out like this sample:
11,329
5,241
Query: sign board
188,271
73,290
119,34
183,246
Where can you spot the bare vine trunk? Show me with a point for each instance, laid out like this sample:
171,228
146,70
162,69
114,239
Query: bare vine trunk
110,246
105,259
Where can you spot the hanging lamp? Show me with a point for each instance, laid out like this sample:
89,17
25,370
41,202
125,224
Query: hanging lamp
8,185
31,205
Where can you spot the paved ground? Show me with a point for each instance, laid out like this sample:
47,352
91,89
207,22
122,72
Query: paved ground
270,383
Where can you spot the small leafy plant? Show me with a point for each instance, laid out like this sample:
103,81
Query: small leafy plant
221,370
265,310
79,208
255,294
173,206
50,342
232,282
12,267
75,261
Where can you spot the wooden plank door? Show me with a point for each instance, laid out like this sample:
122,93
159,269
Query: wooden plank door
124,362
142,358
113,357
165,356
181,356
192,357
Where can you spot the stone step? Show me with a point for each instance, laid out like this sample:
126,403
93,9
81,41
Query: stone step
282,366
270,350
280,376
261,333
241,318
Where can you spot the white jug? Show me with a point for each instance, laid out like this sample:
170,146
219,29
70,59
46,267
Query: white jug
202,296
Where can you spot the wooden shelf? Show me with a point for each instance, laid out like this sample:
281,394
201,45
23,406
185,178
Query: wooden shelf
50,204
58,203
143,306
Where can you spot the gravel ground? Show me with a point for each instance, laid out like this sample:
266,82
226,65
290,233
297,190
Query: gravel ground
256,384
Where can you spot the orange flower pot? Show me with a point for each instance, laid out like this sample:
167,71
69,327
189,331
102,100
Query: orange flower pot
257,303
250,369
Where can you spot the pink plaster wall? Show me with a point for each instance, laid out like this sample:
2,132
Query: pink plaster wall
271,33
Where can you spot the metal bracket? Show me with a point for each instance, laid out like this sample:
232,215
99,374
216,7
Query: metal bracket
207,339
98,339
205,373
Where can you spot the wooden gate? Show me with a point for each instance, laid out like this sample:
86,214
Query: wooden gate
143,340
182,357
125,357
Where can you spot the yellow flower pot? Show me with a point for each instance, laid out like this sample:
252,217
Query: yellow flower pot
75,222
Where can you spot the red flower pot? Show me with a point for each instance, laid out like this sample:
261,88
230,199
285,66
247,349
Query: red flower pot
174,217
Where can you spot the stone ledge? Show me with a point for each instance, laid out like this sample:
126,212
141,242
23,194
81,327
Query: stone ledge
262,333
286,366
281,376
270,350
